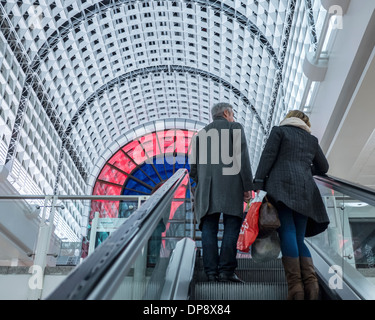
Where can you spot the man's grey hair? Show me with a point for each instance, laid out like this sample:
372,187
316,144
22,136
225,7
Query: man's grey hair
219,108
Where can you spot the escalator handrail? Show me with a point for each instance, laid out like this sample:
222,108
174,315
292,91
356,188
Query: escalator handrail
356,285
83,280
353,285
354,190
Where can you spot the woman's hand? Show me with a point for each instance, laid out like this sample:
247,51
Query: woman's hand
247,196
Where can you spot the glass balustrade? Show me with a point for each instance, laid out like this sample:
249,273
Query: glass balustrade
50,232
348,244
80,225
146,277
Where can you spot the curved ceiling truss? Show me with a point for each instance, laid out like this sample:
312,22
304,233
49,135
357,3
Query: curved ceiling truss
157,69
74,22
65,29
171,105
83,50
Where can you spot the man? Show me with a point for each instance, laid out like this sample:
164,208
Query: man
220,166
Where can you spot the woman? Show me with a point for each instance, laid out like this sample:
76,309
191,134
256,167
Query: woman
286,167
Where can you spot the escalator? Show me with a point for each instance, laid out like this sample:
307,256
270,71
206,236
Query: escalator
156,254
142,257
264,281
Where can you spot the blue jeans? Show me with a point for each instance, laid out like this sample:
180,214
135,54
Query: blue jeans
292,233
226,262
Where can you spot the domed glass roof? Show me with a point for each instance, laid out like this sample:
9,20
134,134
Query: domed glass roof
81,79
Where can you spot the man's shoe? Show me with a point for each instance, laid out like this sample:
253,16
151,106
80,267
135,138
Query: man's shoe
223,277
212,278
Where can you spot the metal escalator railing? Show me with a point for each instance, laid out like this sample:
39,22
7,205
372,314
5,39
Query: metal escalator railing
344,255
137,260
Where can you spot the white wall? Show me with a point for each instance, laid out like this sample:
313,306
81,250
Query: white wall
15,286
348,57
18,227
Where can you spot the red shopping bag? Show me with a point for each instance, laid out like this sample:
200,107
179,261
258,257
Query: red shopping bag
250,229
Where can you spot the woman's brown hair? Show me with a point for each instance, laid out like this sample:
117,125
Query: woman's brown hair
298,114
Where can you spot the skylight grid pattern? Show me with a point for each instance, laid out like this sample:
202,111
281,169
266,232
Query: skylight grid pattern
78,76
305,36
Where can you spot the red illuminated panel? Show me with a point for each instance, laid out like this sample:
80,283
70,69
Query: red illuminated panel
123,164
179,194
135,151
113,175
105,208
120,160
190,135
129,148
181,190
181,143
166,139
102,188
169,144
150,145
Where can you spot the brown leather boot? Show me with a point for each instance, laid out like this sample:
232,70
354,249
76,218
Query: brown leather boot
309,279
293,278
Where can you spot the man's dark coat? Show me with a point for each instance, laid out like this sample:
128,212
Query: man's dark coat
215,191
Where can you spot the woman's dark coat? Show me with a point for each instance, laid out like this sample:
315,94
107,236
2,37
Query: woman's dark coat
216,192
285,173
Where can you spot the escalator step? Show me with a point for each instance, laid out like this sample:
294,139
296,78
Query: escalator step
251,264
233,291
248,263
261,275
251,275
